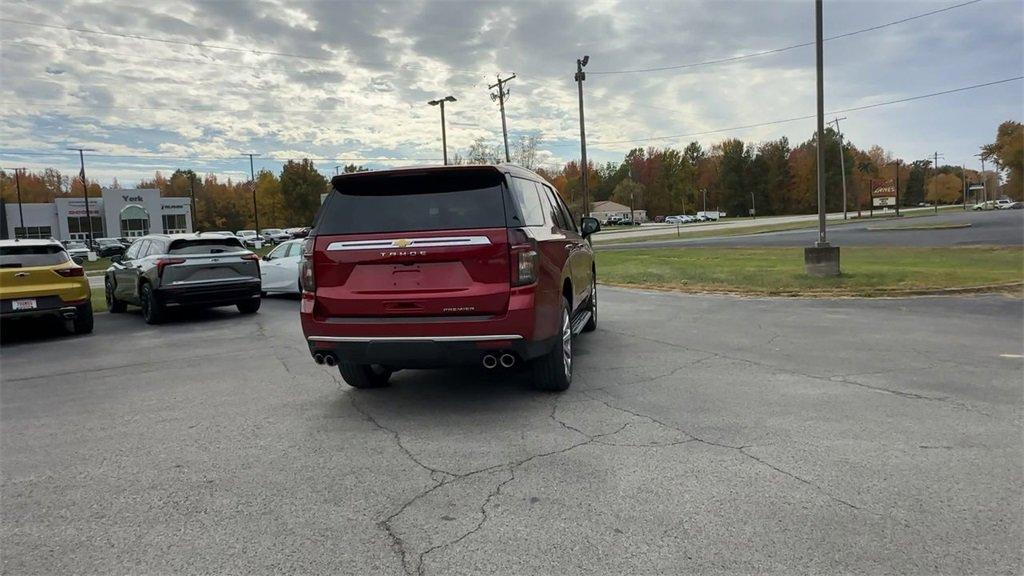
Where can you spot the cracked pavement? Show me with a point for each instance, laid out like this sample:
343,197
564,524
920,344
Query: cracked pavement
702,434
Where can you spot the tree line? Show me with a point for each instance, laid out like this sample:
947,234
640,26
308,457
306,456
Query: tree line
774,177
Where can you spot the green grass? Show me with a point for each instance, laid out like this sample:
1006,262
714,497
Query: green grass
867,271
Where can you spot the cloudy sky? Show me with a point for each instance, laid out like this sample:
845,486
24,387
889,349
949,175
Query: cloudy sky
178,83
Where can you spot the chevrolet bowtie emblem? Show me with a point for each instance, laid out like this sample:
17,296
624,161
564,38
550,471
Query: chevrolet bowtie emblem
401,243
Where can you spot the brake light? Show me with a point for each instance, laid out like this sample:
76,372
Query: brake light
165,262
71,272
523,257
307,277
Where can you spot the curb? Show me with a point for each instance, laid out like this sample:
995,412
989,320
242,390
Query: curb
1010,288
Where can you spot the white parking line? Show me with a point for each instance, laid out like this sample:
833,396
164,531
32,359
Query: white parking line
1011,355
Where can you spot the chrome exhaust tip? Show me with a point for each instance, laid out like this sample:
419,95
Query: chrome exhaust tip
507,360
330,360
318,358
490,361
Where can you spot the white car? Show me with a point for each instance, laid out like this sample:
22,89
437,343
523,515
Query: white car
1004,204
78,251
279,270
250,238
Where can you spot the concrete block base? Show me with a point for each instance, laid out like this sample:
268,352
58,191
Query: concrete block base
821,261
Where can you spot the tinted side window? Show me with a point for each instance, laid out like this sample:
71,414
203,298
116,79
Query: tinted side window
527,201
155,248
143,248
552,205
566,214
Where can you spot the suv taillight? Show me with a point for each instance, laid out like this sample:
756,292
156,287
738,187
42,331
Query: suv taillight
165,262
307,278
522,257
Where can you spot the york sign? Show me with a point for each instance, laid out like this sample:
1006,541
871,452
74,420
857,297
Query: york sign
132,198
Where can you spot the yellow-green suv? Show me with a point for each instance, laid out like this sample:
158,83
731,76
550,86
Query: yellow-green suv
39,278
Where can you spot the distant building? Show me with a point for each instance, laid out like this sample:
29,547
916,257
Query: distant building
116,213
606,208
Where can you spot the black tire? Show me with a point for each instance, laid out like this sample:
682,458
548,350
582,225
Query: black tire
364,375
249,306
152,310
553,371
82,324
114,306
591,324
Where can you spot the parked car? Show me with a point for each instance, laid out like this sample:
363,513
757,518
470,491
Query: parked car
709,215
1017,205
438,266
250,238
107,247
298,232
78,251
628,222
274,235
612,220
279,270
223,233
163,271
38,278
680,219
1003,204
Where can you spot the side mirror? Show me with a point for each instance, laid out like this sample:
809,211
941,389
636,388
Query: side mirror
588,226
117,258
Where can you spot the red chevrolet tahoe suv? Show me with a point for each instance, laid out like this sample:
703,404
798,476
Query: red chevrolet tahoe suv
441,266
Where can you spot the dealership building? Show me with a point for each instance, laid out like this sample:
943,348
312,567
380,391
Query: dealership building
116,213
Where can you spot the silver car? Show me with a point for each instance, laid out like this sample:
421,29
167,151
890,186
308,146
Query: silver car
160,271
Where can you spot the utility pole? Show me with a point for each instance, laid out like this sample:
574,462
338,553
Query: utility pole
500,97
753,208
705,191
984,181
444,135
897,186
842,161
580,77
85,187
192,193
255,208
17,185
963,178
935,168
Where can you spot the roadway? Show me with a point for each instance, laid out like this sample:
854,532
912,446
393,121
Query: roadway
998,228
703,434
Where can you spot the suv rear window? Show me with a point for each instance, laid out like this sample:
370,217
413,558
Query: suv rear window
29,256
414,201
205,246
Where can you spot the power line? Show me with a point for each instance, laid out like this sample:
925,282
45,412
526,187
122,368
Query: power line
16,153
783,121
784,48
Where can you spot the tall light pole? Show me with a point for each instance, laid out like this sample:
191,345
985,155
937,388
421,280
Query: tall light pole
842,161
821,259
192,193
17,186
963,178
500,97
935,168
85,188
984,180
444,135
580,77
255,208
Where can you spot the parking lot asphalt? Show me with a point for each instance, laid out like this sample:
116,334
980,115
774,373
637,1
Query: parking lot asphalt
995,228
702,434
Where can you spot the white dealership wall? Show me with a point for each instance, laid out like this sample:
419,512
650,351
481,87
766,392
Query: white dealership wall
109,207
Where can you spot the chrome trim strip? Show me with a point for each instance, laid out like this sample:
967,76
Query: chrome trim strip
401,243
487,338
214,281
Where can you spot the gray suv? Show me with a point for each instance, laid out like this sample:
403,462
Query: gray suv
163,271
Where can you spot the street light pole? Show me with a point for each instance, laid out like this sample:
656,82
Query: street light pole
820,60
85,188
17,185
580,77
753,208
963,178
842,162
500,97
255,208
192,193
444,134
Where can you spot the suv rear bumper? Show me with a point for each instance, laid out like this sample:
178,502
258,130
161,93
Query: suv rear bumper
219,294
426,351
